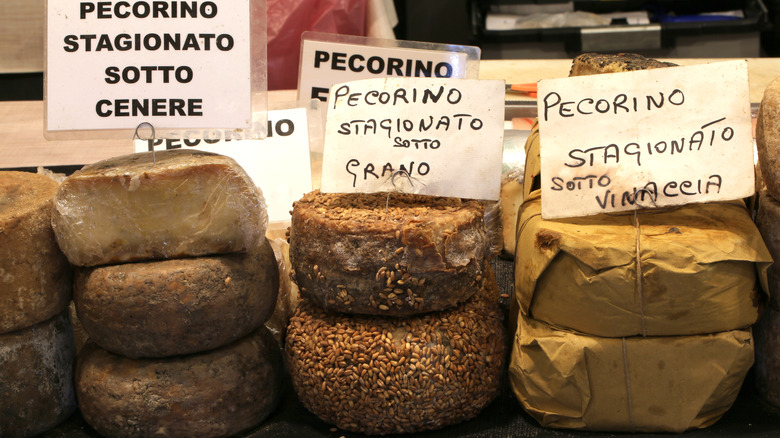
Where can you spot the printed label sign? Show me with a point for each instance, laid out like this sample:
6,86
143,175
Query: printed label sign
173,64
440,137
645,139
326,63
278,164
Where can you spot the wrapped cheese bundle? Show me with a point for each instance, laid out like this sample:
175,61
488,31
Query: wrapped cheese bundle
35,276
387,254
157,205
683,271
381,375
179,306
654,384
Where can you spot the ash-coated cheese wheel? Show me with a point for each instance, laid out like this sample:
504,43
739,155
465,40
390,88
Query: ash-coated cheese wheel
180,306
213,394
36,377
767,366
380,375
387,254
35,276
768,138
160,205
768,222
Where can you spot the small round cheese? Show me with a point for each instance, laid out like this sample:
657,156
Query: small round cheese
35,277
768,138
387,254
214,394
179,306
36,377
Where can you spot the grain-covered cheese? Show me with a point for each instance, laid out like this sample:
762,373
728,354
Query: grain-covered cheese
36,377
160,205
380,375
387,254
179,306
34,274
768,138
214,394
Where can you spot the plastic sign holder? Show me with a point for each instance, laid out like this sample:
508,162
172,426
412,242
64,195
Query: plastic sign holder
328,59
188,69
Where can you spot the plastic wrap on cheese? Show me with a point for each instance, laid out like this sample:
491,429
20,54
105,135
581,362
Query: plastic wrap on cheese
158,205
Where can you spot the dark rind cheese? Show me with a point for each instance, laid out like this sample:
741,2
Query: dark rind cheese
767,366
180,306
598,63
380,375
170,204
387,254
214,394
36,377
768,222
35,277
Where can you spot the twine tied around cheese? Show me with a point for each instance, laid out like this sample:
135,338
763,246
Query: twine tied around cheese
637,250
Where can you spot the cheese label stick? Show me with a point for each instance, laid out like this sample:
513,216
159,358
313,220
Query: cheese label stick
645,139
439,137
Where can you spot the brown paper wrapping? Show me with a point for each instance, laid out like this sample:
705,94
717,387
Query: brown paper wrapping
655,384
697,270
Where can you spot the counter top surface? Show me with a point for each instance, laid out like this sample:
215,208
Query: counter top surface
22,143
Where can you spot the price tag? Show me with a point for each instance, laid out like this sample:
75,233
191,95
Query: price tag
278,164
175,65
645,139
330,59
441,137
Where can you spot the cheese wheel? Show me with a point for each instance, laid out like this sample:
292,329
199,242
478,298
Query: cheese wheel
214,394
181,306
36,377
768,138
380,375
767,367
34,274
599,63
387,254
768,222
161,205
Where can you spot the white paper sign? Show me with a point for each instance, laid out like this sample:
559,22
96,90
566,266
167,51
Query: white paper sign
114,65
644,139
445,136
324,64
278,164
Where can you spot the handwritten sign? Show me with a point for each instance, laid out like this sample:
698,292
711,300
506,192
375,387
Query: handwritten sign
440,137
172,64
278,164
644,139
325,63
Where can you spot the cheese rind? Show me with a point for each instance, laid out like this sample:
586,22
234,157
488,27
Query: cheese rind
598,63
215,394
387,254
169,204
381,375
181,306
35,276
36,377
768,138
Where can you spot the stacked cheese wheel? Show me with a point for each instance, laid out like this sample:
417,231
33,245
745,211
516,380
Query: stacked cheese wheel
633,322
767,332
36,338
174,281
399,328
